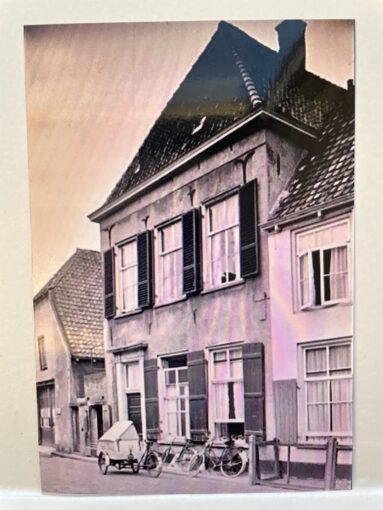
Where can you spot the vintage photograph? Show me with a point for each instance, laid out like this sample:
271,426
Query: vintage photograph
192,196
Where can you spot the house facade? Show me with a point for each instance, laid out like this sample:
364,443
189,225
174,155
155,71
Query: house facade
189,279
310,251
70,373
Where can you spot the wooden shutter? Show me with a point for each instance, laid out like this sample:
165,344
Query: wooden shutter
145,269
285,404
109,293
248,229
191,251
197,377
151,399
254,389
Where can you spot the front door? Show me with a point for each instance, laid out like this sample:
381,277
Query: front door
96,427
134,410
46,404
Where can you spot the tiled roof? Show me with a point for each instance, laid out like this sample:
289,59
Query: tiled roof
77,294
326,174
234,76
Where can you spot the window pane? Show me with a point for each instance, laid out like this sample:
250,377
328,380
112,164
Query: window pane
221,401
341,417
335,273
235,353
317,392
170,377
231,213
316,362
317,418
236,369
304,280
239,401
183,375
128,254
221,371
232,253
219,356
218,256
340,358
341,390
132,374
171,237
316,271
217,216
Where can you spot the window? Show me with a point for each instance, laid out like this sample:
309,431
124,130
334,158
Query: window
227,390
128,282
323,265
176,396
327,373
42,353
170,268
223,242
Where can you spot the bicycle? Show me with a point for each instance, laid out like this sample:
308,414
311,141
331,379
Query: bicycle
150,461
182,458
231,462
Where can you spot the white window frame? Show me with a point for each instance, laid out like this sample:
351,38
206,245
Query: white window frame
121,309
213,422
161,362
123,390
209,234
160,256
321,248
327,344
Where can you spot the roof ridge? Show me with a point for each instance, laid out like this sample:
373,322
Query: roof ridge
255,98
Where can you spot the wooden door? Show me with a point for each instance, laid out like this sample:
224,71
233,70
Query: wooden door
46,404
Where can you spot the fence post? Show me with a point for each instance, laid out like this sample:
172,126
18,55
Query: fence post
252,471
330,466
277,464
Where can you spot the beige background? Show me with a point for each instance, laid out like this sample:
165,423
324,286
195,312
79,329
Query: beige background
19,474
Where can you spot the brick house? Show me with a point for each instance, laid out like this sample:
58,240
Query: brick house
187,266
70,373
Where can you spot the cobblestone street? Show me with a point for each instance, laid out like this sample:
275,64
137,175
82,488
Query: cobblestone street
69,476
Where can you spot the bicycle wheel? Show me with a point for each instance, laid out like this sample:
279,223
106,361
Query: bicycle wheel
233,464
153,465
185,459
196,464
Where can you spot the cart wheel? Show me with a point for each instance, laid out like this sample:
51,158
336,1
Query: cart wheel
103,463
153,465
135,467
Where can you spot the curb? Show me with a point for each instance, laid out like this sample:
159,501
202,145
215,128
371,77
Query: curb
91,460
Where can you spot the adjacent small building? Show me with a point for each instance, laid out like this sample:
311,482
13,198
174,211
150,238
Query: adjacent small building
70,374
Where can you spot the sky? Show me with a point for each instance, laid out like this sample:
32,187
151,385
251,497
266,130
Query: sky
92,94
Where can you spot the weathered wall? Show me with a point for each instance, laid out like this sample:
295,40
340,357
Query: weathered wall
240,312
58,368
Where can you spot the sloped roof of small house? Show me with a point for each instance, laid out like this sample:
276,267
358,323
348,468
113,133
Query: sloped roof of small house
234,76
77,296
326,174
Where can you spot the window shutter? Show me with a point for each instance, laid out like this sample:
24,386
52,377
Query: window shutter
191,254
109,294
145,269
254,389
151,399
248,229
197,378
285,404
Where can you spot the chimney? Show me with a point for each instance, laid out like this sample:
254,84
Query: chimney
292,48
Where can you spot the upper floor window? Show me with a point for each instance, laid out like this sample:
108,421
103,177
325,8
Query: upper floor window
223,260
127,277
170,267
42,353
323,265
327,372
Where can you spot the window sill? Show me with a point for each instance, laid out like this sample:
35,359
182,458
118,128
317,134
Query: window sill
325,305
128,314
178,300
228,285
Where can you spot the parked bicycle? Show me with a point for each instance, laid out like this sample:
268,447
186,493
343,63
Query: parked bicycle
181,458
231,461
